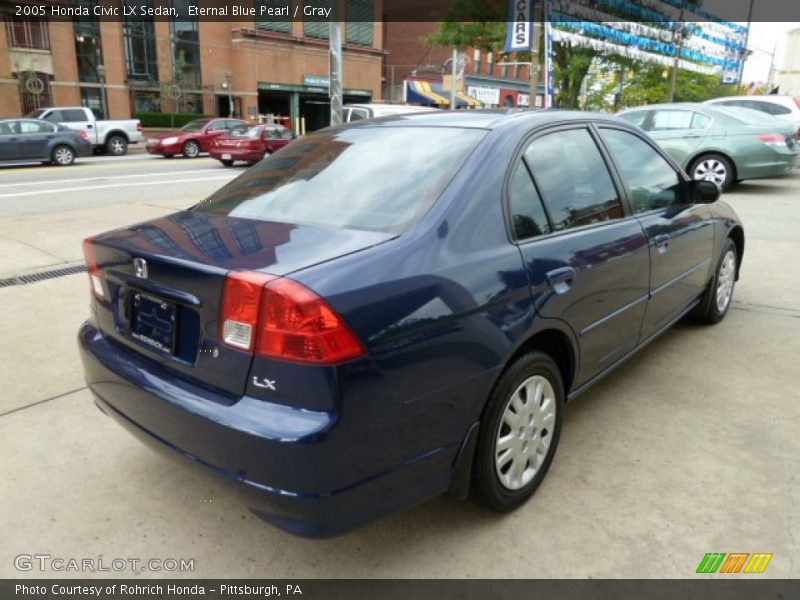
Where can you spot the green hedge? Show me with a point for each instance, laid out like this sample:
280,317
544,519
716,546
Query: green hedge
151,119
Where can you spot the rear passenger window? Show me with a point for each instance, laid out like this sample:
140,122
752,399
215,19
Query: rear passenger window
700,121
652,181
72,116
527,213
573,179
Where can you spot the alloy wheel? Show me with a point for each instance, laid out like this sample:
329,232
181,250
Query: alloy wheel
711,169
63,156
525,432
191,149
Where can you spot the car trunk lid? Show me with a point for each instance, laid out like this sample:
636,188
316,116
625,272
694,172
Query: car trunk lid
163,280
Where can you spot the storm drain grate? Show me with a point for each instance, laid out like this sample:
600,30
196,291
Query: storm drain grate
34,277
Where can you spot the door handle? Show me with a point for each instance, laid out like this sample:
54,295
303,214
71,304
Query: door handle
662,243
561,280
89,126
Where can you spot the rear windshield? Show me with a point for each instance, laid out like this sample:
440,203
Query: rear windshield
35,114
374,178
196,125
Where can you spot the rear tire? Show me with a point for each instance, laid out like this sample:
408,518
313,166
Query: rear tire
713,167
117,145
718,296
227,163
519,432
63,156
191,149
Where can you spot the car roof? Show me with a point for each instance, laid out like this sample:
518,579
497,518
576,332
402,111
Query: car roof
485,119
768,98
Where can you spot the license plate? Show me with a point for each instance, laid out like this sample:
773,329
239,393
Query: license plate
226,157
152,142
153,322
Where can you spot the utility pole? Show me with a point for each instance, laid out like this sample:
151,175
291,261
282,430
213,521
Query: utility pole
677,41
335,79
537,36
746,41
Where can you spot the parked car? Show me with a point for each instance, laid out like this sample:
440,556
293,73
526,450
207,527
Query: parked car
782,107
723,145
343,338
250,145
193,138
30,140
356,112
111,136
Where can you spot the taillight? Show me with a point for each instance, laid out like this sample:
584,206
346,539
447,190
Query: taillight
138,126
772,139
280,318
95,278
84,135
797,101
241,304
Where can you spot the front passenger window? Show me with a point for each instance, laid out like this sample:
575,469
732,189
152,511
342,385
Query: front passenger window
652,181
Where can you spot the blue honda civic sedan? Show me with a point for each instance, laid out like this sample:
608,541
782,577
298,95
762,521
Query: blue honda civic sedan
399,308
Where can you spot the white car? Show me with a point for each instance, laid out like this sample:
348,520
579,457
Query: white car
112,137
356,112
786,108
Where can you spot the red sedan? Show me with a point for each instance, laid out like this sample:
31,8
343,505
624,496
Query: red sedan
193,138
251,145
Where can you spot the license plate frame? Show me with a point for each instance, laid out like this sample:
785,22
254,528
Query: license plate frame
154,321
226,156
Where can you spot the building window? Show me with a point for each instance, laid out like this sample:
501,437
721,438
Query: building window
317,29
34,91
94,98
477,68
490,63
27,33
185,46
192,103
271,22
139,35
146,101
88,47
360,17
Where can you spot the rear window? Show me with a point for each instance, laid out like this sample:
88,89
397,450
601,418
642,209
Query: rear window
373,178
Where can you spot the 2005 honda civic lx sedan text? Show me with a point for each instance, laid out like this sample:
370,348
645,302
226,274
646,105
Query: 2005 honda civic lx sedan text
397,308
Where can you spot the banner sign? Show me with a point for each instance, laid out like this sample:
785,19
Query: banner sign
520,26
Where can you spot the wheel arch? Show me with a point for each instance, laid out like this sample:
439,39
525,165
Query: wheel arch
737,235
118,132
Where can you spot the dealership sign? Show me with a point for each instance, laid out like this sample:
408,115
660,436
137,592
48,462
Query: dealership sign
520,26
484,95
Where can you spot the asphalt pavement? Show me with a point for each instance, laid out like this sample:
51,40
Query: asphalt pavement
690,448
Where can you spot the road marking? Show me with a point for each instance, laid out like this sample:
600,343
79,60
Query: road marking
99,178
114,185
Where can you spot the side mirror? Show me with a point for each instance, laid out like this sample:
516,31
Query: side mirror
703,192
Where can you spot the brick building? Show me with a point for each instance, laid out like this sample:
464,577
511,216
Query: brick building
127,66
409,59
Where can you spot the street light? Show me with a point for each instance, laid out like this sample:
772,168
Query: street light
101,75
226,85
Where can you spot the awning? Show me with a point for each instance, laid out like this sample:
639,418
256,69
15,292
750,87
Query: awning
425,92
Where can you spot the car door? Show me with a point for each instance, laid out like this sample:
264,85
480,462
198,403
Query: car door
680,235
212,131
9,140
679,131
586,258
35,138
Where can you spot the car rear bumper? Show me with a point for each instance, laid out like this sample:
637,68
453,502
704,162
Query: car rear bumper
777,163
235,154
275,455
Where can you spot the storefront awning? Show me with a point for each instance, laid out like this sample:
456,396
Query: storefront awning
425,92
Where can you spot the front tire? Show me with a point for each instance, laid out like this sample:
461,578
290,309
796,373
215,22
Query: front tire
191,149
117,145
63,156
718,296
713,167
519,432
